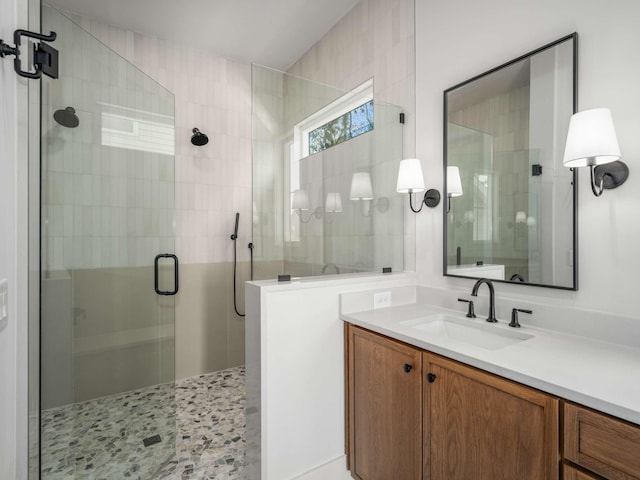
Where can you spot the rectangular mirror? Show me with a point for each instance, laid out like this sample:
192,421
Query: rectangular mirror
510,205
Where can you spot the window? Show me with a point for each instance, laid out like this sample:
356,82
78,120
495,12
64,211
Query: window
346,126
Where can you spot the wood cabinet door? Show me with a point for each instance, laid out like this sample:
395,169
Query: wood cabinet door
385,408
600,443
482,427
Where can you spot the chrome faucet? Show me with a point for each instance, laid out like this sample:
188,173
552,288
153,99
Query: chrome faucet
492,298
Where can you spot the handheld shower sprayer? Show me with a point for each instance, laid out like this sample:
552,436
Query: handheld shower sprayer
234,235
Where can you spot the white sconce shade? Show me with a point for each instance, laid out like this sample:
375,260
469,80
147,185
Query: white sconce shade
361,188
531,221
591,139
300,200
592,142
333,203
521,217
410,177
454,184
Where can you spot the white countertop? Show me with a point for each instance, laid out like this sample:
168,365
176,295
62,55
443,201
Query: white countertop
604,376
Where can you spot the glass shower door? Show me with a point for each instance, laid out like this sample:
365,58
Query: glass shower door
107,315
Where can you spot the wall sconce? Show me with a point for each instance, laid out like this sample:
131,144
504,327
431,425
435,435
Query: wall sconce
521,217
411,180
332,204
300,203
592,142
361,189
454,185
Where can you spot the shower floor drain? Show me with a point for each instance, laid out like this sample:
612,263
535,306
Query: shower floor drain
151,440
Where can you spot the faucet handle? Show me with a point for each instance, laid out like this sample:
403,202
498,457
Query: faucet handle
514,316
471,312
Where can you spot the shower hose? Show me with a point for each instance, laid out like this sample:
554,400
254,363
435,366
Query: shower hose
234,237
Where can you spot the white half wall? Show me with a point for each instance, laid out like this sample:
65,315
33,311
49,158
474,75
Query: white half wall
458,39
295,375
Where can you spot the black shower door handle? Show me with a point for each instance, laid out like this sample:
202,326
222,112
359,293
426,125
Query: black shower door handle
155,274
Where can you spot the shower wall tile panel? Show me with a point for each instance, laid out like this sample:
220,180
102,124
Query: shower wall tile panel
113,203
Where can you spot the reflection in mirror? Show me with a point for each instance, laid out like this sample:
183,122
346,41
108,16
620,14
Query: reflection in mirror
510,212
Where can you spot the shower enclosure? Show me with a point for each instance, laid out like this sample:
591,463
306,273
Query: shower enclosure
105,330
325,164
108,269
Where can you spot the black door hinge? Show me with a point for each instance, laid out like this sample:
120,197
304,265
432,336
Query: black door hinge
536,170
402,118
45,57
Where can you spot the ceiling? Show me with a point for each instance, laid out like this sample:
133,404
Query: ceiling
274,33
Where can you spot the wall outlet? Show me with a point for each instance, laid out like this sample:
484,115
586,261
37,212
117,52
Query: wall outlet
4,299
381,300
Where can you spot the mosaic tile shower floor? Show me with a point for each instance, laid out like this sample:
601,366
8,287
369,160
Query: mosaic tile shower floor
104,439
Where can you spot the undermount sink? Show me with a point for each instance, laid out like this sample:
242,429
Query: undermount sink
449,327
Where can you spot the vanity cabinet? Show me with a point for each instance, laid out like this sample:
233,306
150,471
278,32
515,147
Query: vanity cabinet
416,415
384,407
481,426
602,444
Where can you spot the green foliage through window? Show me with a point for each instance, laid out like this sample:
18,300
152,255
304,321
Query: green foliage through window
346,126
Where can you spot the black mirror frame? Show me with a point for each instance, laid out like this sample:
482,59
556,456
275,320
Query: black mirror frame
574,287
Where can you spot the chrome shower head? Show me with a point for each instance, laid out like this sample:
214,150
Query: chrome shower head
198,138
67,117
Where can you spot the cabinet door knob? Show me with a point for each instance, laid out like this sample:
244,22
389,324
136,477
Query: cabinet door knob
407,367
431,377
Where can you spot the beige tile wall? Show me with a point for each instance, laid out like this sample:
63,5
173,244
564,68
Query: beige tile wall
102,206
212,93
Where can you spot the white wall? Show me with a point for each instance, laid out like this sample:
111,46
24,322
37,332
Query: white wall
8,178
458,39
12,260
